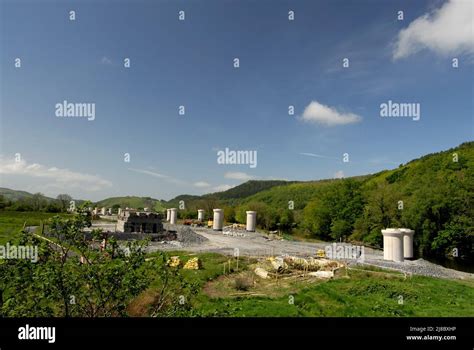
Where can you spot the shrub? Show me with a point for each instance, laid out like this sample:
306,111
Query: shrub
243,283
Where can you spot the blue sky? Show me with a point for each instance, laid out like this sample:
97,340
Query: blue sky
190,63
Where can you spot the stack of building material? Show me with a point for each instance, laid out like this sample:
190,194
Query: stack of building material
301,263
193,264
262,273
311,264
174,261
322,274
278,264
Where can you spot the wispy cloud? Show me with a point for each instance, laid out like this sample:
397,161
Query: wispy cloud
170,179
317,113
148,172
316,155
237,175
339,174
159,176
446,31
105,60
61,178
201,184
222,188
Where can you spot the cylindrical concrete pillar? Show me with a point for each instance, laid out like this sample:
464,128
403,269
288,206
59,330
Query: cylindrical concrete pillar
251,220
168,214
407,243
173,216
393,244
387,244
201,214
218,222
397,247
387,247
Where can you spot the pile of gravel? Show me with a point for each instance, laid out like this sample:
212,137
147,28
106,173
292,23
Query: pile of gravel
185,235
421,267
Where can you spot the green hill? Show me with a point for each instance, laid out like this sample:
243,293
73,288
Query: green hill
247,189
131,202
15,195
231,196
187,198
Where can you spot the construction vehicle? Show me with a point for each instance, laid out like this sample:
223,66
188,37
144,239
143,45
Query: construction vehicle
320,253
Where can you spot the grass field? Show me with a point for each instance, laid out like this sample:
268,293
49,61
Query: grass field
11,222
368,292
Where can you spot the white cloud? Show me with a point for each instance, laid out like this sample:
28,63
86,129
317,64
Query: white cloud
339,174
238,176
222,188
446,31
62,178
318,113
106,60
201,184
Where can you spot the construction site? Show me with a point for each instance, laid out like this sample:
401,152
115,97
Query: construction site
277,257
